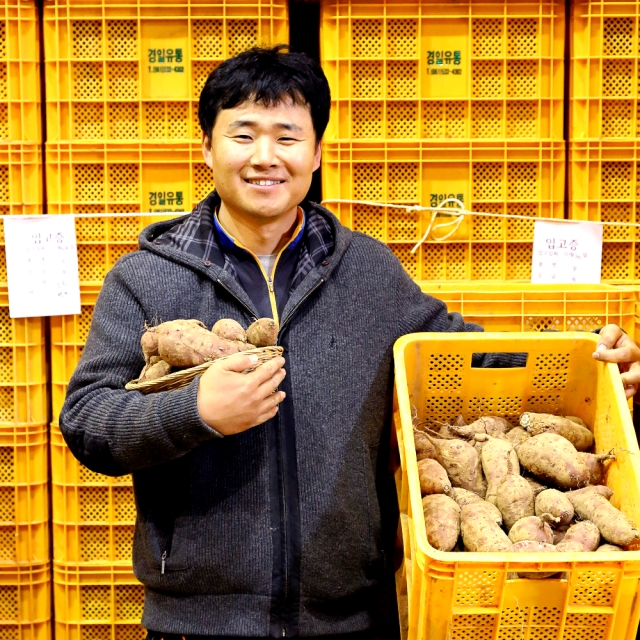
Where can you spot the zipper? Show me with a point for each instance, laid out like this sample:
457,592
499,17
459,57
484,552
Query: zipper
163,559
306,295
246,308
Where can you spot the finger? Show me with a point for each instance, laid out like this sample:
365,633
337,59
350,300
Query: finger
620,355
270,385
609,336
238,362
270,406
632,376
630,390
265,371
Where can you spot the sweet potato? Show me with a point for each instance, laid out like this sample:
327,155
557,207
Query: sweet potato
497,455
514,498
584,533
460,461
517,435
491,425
531,546
552,458
155,369
609,547
149,344
442,521
536,423
424,448
591,489
464,497
480,527
556,503
536,487
559,533
577,420
433,478
614,526
229,330
595,464
531,528
263,332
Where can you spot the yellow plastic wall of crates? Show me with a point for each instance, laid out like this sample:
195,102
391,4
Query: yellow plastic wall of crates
432,69
134,70
524,178
454,595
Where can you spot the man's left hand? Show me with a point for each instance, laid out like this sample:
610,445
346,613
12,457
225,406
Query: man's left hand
616,346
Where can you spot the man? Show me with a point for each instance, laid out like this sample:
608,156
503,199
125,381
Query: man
258,507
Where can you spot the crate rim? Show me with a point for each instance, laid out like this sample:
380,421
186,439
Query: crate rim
511,559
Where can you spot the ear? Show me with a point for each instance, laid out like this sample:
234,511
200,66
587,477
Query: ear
206,150
317,155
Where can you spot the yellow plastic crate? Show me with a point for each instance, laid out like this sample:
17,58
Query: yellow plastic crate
93,515
20,119
97,603
133,70
24,494
604,184
493,177
434,69
535,307
467,595
604,70
25,602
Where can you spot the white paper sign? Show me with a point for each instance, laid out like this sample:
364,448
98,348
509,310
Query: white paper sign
42,266
566,253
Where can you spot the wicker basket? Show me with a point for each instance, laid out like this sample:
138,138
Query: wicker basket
182,378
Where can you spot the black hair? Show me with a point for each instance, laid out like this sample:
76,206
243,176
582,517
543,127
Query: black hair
266,76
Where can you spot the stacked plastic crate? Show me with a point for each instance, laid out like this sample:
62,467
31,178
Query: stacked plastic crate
432,100
25,571
604,131
122,87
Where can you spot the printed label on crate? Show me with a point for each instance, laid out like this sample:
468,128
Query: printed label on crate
42,266
165,201
445,63
566,253
165,47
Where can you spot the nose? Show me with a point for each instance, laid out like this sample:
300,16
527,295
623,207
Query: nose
264,153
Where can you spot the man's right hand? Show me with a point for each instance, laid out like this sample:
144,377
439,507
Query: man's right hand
230,401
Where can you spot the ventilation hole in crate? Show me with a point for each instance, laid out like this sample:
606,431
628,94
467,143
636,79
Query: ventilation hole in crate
197,129
123,120
433,120
87,80
485,228
522,78
124,503
486,79
6,326
366,120
87,208
509,408
445,363
6,364
94,543
9,602
7,464
551,371
154,119
522,119
97,632
617,78
123,542
3,40
584,323
129,599
617,37
128,480
203,181
241,35
124,229
7,504
200,71
617,118
519,257
8,539
513,617
177,119
116,251
638,122
369,220
366,38
521,229
487,180
122,78
403,226
122,38
444,382
91,262
91,229
455,118
542,323
402,78
4,121
402,120
594,587
4,87
207,38
408,260
402,181
486,261
486,119
129,632
7,409
616,261
442,409
88,120
5,190
433,261
486,37
95,601
476,588
93,504
636,271
522,37
543,404
366,79
617,212
522,180
84,324
368,178
477,620
581,633
88,182
456,259
402,38
595,620
123,182
616,180
86,39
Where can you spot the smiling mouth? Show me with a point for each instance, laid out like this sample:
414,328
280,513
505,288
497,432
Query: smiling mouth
263,183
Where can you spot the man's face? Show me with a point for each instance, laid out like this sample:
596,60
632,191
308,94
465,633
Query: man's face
262,158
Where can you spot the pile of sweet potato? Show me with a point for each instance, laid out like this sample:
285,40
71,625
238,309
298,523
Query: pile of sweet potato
179,344
492,486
